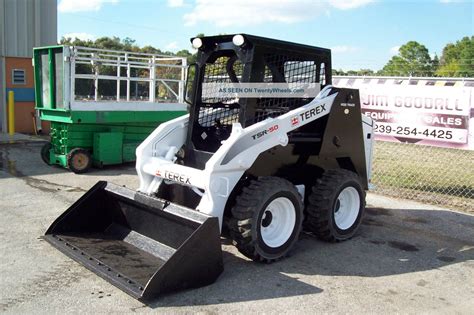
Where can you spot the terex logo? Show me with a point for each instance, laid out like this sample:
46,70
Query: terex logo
264,132
295,121
174,177
313,112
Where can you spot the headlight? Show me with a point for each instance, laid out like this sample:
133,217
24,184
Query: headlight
197,43
238,40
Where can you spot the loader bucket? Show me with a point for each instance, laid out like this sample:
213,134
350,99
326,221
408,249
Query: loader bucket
144,246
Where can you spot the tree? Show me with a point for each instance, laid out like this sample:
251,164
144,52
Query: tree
150,50
466,62
127,44
365,72
338,72
435,63
361,72
109,43
352,72
457,59
413,59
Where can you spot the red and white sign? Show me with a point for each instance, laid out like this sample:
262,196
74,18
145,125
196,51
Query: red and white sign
430,115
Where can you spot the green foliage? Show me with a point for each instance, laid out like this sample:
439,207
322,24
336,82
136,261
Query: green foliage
413,59
366,72
338,72
126,44
361,72
435,63
450,69
457,59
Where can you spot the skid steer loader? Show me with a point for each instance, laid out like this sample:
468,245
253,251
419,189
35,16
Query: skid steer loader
258,169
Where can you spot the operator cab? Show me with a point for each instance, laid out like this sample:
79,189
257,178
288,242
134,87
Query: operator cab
229,59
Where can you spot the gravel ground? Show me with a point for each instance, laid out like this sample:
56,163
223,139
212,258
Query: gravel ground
407,258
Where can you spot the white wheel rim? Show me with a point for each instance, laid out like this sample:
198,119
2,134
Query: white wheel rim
346,208
278,222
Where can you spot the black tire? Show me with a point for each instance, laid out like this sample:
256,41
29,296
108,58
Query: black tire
323,204
250,215
79,160
45,152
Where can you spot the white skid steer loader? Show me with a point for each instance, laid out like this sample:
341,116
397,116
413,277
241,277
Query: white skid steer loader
260,169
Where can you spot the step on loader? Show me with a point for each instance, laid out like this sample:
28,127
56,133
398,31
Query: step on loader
255,168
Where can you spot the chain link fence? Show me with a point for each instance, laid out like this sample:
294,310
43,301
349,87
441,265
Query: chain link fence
433,175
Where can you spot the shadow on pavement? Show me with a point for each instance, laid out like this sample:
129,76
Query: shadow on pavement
23,159
242,280
390,242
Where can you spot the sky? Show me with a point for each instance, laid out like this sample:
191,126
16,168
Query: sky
361,33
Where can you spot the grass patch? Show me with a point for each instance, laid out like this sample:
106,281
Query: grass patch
434,175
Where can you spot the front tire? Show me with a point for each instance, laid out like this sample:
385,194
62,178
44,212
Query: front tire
45,149
266,219
79,160
335,206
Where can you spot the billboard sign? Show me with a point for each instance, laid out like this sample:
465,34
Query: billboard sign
430,115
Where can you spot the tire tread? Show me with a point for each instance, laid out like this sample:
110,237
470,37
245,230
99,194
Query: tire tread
320,203
243,213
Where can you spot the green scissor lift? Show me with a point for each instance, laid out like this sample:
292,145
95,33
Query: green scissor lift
102,103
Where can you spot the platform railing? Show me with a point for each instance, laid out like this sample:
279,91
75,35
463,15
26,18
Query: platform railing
101,75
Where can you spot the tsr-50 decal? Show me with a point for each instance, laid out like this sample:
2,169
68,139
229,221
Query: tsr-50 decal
174,177
264,132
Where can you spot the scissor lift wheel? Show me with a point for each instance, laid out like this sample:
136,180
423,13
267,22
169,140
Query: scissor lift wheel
79,160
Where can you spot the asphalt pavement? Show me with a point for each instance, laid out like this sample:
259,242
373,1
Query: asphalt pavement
407,258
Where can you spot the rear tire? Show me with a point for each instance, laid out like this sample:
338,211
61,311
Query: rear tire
45,149
266,219
79,160
335,206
